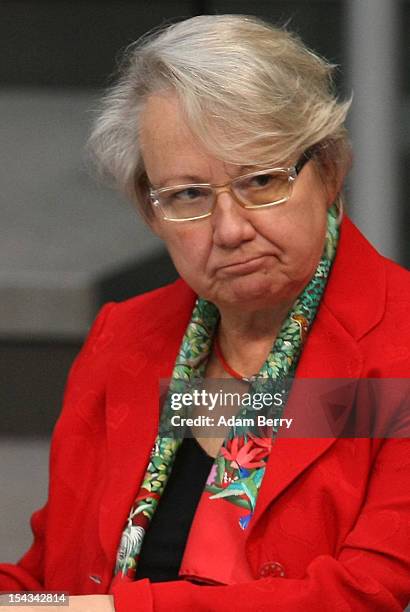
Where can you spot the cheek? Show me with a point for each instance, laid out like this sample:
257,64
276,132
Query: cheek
189,249
301,242
309,249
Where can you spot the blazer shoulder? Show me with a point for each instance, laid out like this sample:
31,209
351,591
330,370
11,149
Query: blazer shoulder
387,346
396,317
150,299
152,310
398,281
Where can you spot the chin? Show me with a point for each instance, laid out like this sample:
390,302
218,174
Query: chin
260,294
248,301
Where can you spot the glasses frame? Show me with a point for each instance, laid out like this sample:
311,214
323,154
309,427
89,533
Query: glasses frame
291,171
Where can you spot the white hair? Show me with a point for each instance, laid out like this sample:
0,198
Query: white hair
252,93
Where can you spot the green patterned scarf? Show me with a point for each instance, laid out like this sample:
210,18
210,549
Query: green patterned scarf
239,468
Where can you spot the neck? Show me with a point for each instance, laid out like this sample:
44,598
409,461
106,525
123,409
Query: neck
246,338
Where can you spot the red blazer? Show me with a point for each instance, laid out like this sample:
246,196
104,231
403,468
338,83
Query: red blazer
333,515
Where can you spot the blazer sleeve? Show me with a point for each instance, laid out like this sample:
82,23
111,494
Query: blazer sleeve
370,572
28,573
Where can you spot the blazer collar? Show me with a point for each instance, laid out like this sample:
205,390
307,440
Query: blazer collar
356,289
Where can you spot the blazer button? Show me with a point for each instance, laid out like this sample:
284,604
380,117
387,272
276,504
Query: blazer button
272,569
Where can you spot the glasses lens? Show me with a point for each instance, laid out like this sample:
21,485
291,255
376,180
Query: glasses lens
266,187
186,203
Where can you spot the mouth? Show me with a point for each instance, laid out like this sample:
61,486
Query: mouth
244,267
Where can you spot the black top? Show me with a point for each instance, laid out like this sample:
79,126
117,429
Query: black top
164,543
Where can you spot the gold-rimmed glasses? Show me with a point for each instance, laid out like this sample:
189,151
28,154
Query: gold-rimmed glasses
254,190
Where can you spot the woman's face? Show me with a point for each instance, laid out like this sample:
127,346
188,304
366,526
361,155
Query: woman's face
255,259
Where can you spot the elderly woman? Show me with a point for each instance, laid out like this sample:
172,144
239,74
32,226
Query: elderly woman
227,133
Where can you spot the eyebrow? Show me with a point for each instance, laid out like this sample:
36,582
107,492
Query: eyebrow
180,179
187,179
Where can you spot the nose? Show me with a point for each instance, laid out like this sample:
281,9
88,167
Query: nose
230,222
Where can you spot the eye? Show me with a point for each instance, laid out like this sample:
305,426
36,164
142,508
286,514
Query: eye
261,180
187,195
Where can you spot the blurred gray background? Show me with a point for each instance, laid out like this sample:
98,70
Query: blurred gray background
67,244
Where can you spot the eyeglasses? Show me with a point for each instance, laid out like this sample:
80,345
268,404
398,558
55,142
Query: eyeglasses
260,189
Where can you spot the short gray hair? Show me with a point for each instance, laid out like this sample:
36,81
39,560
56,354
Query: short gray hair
252,93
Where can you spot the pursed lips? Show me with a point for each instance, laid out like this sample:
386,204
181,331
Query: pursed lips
237,265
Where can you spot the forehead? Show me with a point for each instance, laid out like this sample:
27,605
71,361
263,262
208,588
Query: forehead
162,121
169,148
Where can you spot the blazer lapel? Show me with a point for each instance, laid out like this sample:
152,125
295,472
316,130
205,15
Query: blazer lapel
131,425
132,409
330,353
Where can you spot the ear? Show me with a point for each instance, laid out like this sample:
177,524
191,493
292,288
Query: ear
155,225
148,214
152,221
334,186
333,175
334,165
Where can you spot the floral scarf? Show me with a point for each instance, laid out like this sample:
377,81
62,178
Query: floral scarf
238,470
